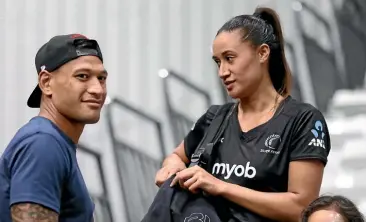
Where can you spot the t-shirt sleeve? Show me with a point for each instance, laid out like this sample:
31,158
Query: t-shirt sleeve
38,170
196,134
311,139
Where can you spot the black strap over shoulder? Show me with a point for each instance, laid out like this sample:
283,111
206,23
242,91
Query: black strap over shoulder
218,117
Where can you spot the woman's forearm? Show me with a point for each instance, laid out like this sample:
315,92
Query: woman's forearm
277,206
173,160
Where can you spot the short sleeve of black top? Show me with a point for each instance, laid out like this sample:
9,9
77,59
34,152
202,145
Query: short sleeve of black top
259,159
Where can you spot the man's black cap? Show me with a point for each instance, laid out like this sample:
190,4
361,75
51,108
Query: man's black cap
58,51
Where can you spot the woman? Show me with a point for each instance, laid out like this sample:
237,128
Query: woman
332,209
273,152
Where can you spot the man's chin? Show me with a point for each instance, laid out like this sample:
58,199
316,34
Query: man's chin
90,119
93,121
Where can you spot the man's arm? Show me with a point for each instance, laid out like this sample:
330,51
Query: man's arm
29,212
38,171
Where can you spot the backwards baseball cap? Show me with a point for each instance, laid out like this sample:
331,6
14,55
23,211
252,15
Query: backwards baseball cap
58,51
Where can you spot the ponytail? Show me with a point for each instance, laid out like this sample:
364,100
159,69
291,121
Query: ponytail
278,67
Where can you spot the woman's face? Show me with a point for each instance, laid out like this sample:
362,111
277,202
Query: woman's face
326,216
239,63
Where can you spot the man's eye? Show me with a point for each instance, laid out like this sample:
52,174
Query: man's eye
102,78
82,76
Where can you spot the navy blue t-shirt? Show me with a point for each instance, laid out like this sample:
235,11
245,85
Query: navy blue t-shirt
39,166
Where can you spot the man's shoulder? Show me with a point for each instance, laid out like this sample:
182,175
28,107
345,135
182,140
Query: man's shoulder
37,152
36,145
38,128
37,125
37,137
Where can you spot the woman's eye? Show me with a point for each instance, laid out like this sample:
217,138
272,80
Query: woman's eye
217,62
229,58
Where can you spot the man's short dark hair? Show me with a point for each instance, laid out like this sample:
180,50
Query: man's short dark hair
337,203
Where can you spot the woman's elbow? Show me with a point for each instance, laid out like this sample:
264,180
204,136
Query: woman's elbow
295,215
292,214
299,204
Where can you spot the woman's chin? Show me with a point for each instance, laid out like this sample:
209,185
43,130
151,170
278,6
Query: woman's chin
233,94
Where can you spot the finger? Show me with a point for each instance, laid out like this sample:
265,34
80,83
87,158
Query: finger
181,183
186,174
161,177
188,183
195,187
172,172
174,181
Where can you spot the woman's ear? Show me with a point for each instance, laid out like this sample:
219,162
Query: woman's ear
44,82
263,52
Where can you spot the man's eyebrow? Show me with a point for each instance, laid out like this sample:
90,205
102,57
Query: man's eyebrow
103,72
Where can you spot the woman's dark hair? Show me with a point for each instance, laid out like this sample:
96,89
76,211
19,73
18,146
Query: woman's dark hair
339,204
263,27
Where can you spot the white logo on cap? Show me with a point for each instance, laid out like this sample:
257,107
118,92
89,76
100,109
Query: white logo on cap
43,68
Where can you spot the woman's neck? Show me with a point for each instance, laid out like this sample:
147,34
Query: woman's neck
262,100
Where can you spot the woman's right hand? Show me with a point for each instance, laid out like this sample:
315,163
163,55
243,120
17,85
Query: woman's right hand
167,171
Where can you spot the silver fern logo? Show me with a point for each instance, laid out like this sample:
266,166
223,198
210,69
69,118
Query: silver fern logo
272,141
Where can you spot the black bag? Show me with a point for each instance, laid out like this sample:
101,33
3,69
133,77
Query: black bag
173,204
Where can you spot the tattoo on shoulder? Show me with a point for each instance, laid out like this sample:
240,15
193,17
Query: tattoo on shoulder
29,212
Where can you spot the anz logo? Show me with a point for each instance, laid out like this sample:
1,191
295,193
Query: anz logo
318,133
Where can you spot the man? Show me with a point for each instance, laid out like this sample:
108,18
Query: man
39,176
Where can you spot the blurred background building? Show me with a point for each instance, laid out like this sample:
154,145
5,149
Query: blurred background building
162,78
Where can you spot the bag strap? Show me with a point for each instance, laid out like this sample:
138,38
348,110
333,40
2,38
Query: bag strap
203,152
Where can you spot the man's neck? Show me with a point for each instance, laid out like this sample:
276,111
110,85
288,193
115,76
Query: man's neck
72,129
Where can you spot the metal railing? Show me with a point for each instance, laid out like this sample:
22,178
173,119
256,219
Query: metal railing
325,76
353,36
296,91
102,212
136,169
179,122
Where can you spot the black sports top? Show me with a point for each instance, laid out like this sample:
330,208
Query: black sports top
259,159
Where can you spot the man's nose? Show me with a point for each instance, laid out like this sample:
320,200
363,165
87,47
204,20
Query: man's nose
96,87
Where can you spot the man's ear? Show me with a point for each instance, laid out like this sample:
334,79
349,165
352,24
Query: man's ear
264,51
44,82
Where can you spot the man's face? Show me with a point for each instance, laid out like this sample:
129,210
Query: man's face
78,89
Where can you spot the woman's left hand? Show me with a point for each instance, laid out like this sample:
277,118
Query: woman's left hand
195,179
